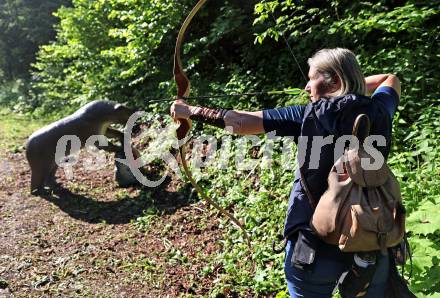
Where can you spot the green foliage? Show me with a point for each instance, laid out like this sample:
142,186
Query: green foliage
104,49
399,37
24,25
122,50
13,94
416,164
115,50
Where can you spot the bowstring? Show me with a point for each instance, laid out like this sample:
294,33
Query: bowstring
283,36
288,46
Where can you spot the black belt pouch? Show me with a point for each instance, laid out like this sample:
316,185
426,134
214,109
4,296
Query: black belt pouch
305,250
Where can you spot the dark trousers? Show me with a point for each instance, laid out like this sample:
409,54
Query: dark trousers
319,280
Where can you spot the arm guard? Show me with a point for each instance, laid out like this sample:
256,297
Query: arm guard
210,116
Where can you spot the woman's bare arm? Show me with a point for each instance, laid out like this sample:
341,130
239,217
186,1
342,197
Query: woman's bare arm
376,81
245,123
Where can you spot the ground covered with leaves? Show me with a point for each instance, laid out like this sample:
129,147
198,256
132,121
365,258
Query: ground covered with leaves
90,238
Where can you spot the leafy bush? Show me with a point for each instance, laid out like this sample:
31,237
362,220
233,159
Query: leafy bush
15,95
122,50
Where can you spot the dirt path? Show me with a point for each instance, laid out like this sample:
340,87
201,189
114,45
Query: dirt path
82,239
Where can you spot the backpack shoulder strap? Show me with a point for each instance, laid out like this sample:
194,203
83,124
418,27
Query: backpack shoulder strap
366,129
313,202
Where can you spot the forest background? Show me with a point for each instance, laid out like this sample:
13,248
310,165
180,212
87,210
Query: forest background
55,56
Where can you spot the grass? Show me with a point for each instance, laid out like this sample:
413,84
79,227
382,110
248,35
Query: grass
14,128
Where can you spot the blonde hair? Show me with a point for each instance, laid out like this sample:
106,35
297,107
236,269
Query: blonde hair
343,64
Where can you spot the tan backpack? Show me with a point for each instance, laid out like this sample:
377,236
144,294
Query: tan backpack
362,209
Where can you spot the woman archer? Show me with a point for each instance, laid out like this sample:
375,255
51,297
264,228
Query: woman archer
338,93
